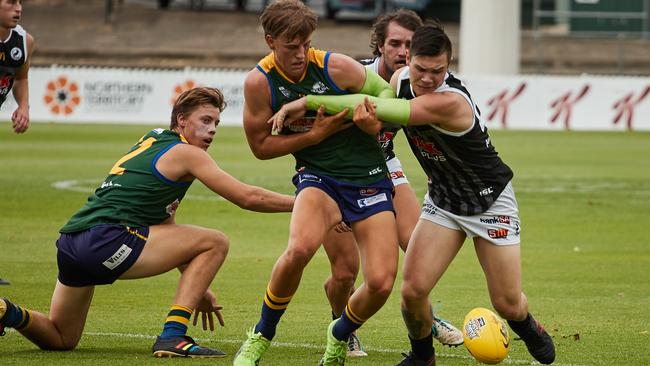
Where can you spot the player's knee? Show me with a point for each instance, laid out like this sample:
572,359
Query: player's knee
298,255
508,307
412,292
64,344
218,243
344,274
380,286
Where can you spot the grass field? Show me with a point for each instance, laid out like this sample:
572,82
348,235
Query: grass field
584,200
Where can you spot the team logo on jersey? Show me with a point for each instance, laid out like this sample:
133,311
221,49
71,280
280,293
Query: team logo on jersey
16,53
5,84
301,125
385,138
319,88
62,96
428,149
285,92
172,207
158,131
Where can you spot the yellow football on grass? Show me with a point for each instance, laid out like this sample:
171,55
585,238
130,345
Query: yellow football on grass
486,336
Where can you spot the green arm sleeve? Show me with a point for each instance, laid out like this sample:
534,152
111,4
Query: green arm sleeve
376,86
388,110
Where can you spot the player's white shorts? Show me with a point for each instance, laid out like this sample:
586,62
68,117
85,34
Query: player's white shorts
499,225
396,173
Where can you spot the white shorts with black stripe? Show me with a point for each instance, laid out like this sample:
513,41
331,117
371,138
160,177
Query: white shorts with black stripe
499,225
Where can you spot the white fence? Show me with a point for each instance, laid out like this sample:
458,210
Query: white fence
114,95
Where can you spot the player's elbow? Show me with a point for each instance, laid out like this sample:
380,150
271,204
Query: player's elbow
262,155
261,151
249,199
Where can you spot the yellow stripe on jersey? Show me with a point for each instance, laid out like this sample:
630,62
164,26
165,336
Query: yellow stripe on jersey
267,63
317,57
314,56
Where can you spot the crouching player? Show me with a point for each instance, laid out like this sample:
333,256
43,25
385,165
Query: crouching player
127,230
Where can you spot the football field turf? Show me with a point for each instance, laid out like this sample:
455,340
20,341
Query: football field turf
584,201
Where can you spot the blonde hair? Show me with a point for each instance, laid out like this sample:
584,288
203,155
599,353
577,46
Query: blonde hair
291,18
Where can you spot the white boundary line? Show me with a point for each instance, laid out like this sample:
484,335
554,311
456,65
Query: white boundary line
559,186
85,186
313,346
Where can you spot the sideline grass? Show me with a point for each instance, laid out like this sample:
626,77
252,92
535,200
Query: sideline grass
584,200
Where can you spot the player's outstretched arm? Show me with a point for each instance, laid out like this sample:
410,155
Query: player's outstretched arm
185,162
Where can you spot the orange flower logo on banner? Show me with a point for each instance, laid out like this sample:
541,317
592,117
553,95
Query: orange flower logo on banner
62,96
183,87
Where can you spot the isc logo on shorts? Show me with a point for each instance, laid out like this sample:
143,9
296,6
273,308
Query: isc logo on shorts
365,202
117,258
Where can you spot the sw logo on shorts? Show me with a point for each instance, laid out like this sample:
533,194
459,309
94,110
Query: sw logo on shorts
365,202
498,233
117,258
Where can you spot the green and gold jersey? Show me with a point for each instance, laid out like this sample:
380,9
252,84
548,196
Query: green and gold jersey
134,193
350,155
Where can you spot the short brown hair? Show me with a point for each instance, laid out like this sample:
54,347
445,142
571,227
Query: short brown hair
289,17
190,100
430,40
403,17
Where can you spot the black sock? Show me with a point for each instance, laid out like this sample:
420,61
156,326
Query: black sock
423,348
523,327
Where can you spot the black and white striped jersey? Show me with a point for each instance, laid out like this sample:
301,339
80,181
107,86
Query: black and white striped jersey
465,173
13,55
